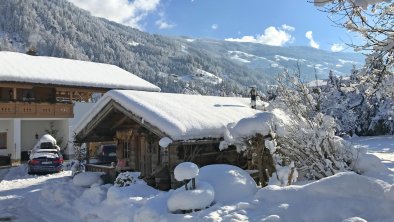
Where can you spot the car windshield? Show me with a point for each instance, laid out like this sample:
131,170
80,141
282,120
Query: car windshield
110,149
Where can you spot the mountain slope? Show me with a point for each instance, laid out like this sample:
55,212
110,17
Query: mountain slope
58,28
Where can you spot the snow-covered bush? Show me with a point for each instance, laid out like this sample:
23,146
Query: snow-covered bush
360,105
126,179
310,140
284,175
80,155
373,20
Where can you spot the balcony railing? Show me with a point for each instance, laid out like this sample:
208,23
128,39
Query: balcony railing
36,110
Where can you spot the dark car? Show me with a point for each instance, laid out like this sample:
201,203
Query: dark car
45,161
106,153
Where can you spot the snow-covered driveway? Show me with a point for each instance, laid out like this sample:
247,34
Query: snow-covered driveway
23,197
343,197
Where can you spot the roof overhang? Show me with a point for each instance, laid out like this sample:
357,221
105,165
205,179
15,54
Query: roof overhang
108,120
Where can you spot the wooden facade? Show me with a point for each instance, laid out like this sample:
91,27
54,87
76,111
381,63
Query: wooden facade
138,147
28,100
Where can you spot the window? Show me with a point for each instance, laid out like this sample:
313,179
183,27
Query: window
126,150
28,95
3,140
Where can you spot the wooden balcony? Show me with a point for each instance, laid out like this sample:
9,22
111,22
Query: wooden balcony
36,110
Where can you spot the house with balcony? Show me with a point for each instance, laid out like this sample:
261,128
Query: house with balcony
40,94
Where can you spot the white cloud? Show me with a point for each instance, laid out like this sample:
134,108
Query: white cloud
288,28
271,36
337,47
127,12
312,42
162,24
214,26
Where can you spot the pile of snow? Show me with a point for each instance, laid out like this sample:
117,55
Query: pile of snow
374,157
88,179
230,183
47,138
199,198
140,190
193,199
335,198
164,142
264,123
186,171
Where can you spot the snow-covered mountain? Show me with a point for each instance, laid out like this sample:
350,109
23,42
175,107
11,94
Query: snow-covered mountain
176,64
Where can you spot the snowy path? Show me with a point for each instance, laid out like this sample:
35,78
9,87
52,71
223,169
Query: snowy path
22,197
380,146
3,172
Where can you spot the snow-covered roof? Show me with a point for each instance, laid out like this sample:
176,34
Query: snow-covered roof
179,116
18,67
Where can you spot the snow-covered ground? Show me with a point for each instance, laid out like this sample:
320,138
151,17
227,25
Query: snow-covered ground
342,197
380,146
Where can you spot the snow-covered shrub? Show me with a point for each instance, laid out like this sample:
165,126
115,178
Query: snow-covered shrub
360,105
284,175
310,140
373,20
126,179
78,165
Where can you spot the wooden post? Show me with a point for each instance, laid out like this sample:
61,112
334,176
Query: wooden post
259,152
71,96
14,94
289,179
193,183
87,153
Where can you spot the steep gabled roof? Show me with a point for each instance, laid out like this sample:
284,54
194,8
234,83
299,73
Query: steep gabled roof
179,116
18,67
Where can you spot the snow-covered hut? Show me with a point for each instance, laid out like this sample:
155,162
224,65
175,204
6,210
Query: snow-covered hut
39,94
156,131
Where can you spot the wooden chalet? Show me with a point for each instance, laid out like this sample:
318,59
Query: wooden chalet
36,91
144,123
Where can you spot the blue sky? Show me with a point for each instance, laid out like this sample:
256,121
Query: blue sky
273,22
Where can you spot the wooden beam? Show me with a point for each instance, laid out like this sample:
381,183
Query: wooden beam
95,121
16,85
119,122
139,120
